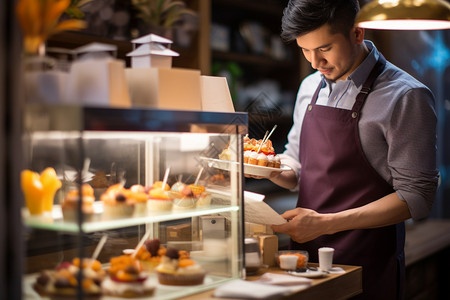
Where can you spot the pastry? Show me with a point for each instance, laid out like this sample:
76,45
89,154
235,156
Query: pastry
62,283
253,158
150,254
116,204
183,196
139,194
159,200
176,270
262,160
70,204
127,279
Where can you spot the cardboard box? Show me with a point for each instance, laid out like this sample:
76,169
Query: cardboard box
98,82
177,89
269,246
216,94
181,232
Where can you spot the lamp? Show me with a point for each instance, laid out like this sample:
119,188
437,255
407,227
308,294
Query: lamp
405,15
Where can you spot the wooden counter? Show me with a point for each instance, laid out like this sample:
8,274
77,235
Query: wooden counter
333,286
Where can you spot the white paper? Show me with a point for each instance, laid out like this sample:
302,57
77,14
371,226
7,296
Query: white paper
259,212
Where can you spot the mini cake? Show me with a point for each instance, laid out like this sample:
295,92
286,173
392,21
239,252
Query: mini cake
70,205
271,161
183,197
150,254
277,161
116,204
159,200
127,279
262,160
247,156
138,193
175,270
203,197
253,158
62,283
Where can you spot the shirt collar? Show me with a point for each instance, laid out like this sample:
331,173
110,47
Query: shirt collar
361,73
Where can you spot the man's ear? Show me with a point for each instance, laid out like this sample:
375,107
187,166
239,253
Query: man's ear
358,34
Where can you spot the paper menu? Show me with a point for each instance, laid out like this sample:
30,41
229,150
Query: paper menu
258,212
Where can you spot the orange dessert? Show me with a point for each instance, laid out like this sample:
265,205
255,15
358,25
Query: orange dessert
116,204
127,279
177,270
70,205
62,283
160,200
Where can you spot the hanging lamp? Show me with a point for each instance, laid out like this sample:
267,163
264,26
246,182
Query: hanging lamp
405,15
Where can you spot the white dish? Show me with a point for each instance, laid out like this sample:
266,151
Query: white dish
248,168
308,273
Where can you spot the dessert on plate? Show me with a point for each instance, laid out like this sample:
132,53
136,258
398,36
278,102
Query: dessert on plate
62,283
177,270
127,279
159,198
116,204
70,204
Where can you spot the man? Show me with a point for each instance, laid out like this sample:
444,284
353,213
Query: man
362,148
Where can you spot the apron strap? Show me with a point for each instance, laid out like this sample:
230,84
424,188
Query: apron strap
367,86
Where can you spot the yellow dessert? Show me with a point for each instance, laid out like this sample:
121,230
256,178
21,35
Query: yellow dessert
33,191
50,184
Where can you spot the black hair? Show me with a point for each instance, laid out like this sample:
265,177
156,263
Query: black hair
303,16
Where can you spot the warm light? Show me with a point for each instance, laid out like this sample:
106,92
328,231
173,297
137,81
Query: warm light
405,15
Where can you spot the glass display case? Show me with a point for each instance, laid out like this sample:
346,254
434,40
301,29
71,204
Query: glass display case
148,192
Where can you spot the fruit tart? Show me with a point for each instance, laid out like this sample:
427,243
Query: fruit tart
127,279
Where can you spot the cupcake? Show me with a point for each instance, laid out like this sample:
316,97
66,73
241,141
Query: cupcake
62,283
262,160
116,204
127,279
70,204
175,270
159,200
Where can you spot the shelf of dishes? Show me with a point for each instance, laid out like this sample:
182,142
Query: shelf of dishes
160,291
98,222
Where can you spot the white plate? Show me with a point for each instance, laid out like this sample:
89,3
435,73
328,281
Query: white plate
248,168
308,273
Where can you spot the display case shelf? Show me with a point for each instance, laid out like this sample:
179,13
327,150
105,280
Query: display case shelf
56,222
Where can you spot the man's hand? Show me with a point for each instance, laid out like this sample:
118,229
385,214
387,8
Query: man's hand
303,224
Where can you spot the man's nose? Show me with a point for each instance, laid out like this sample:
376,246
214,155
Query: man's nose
315,60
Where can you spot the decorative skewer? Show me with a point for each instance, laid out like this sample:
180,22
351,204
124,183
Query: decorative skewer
99,248
262,142
198,176
141,242
166,176
267,138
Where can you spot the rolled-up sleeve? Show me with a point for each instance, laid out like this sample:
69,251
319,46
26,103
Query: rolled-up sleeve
411,137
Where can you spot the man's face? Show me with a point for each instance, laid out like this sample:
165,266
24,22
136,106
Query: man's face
334,55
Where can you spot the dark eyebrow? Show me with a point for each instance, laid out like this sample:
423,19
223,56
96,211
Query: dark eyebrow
321,46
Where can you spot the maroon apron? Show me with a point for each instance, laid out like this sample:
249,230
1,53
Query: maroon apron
336,176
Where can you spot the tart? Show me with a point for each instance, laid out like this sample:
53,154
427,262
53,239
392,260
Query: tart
116,204
180,271
127,279
159,200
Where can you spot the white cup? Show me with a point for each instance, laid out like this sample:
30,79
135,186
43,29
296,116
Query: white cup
288,262
325,258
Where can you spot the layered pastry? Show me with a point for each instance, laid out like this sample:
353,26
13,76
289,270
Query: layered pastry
159,200
62,283
70,204
262,160
127,279
176,270
116,204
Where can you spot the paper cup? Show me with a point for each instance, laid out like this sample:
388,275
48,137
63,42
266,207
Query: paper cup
325,258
